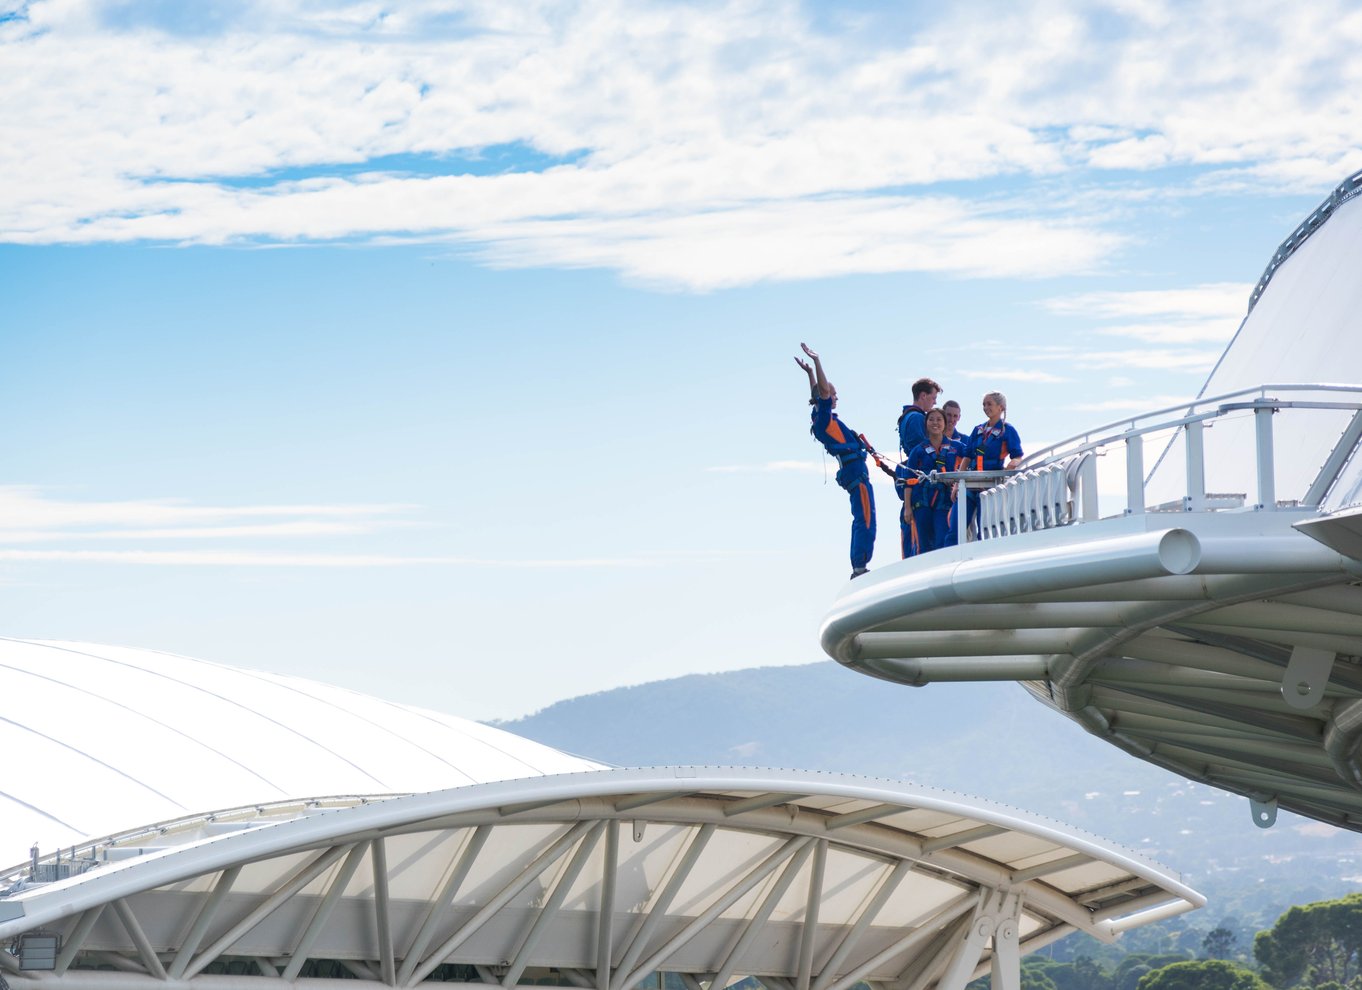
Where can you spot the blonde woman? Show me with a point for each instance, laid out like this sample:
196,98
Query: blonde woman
992,446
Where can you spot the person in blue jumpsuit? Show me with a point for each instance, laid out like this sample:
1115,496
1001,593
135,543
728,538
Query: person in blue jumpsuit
843,443
931,500
912,427
952,410
992,446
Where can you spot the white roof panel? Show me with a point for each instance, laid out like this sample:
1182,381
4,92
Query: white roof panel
113,738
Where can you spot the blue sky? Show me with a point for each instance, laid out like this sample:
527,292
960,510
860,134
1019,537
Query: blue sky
443,350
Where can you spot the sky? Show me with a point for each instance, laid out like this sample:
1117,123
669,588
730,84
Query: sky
444,350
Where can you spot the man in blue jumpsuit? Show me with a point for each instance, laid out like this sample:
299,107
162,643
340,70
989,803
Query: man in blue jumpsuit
841,442
952,410
912,421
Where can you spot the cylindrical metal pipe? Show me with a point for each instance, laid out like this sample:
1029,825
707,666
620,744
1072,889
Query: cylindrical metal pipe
926,670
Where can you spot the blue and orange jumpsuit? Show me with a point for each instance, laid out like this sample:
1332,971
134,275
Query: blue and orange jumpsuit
931,500
989,448
842,443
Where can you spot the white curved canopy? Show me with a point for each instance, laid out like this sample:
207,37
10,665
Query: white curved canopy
806,880
1213,624
103,738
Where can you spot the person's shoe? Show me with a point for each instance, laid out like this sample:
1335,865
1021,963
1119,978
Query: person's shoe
859,571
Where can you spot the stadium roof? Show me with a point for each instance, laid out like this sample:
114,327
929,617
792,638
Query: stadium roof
806,880
1212,623
597,878
103,738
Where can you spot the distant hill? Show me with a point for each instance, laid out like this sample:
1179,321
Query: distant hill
989,740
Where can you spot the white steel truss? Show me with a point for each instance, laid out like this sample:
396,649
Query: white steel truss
597,880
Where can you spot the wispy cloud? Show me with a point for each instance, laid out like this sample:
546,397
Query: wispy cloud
228,558
29,513
1211,301
32,516
1014,375
693,147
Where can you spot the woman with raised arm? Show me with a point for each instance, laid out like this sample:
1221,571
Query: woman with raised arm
842,442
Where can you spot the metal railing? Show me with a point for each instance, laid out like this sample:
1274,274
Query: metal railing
1057,486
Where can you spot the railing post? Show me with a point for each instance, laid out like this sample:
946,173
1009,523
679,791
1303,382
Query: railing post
1087,488
1134,475
1196,467
1267,472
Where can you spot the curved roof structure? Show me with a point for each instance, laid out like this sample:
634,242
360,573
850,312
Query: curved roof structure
810,881
1213,624
112,738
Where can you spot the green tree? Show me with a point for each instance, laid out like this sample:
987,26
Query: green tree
1204,974
1218,943
1317,943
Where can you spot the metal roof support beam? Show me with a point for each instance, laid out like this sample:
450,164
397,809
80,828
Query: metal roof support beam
361,969
888,884
121,963
642,800
995,910
1136,710
551,905
578,979
1006,968
1338,457
950,916
758,802
323,913
208,913
925,670
787,851
383,927
924,966
961,838
861,817
300,879
73,942
1054,866
542,862
605,918
808,932
657,910
964,643
693,984
139,938
1093,898
757,922
435,911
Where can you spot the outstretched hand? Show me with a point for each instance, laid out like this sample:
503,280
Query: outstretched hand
808,350
804,364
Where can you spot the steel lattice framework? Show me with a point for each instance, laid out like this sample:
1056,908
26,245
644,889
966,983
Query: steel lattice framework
807,881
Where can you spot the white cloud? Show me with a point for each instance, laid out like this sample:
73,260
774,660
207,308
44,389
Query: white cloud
691,146
29,513
1216,300
1014,375
229,558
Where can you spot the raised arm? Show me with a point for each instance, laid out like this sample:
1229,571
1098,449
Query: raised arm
808,370
825,391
